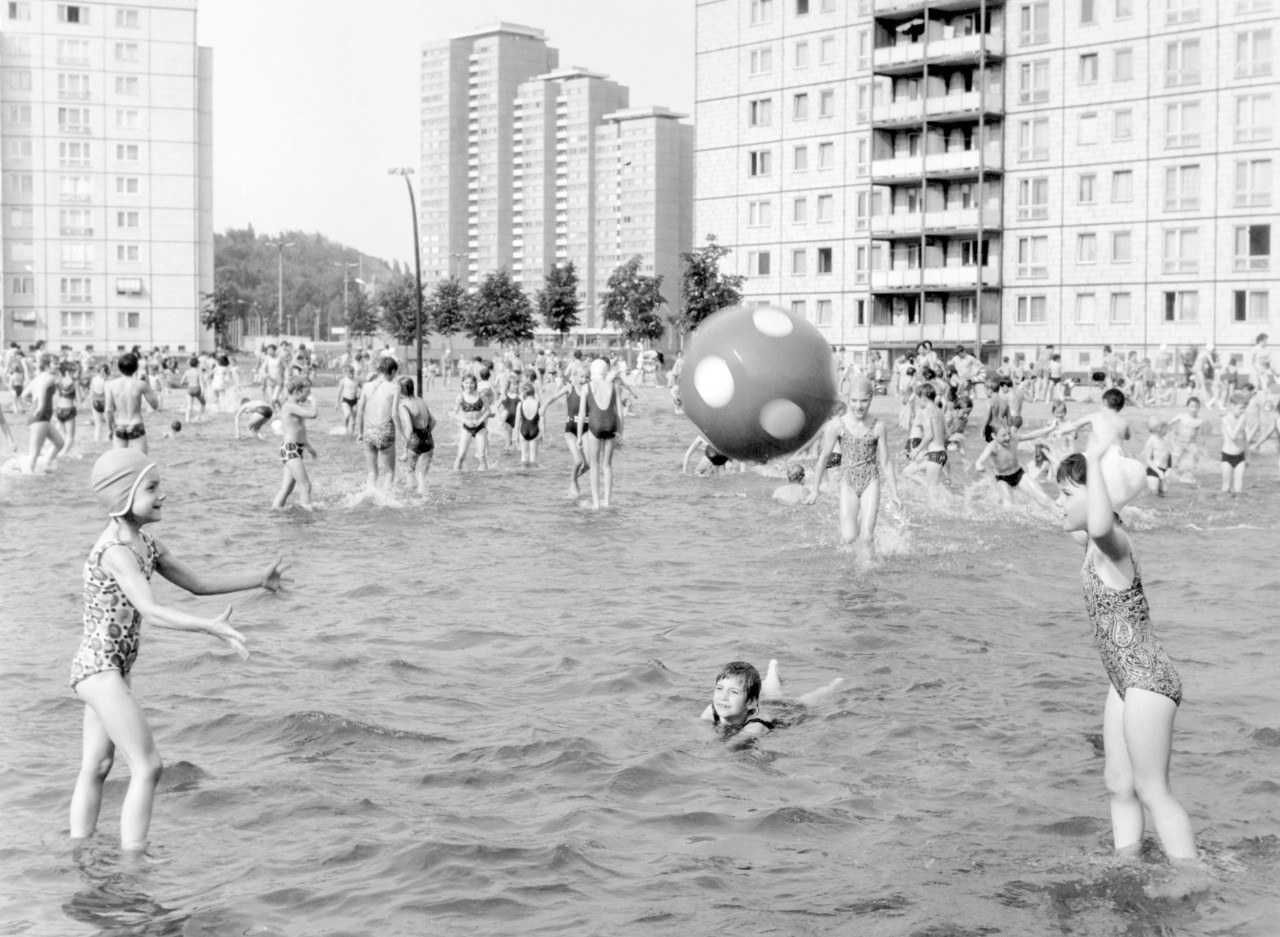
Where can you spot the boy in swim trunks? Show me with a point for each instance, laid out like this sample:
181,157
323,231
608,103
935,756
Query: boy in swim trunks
712,462
1002,452
930,453
1157,457
1185,444
98,400
296,410
193,381
1126,478
1235,443
125,395
375,415
257,411
348,398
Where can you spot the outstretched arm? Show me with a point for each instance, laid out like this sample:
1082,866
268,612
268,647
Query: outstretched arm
203,583
697,440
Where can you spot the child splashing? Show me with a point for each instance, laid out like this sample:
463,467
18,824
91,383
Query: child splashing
117,592
1137,728
1126,478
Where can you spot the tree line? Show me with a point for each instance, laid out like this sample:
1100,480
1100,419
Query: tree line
497,311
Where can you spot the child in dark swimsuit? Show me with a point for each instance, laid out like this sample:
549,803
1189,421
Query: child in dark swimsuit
64,403
599,416
528,425
471,413
507,407
735,704
417,427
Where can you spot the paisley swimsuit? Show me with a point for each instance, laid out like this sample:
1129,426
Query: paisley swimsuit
112,626
1126,639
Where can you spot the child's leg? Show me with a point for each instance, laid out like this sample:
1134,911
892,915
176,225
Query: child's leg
849,505
771,685
1126,810
1238,478
387,460
482,449
96,758
1226,476
1148,738
122,720
606,468
304,481
869,513
464,443
68,428
286,487
39,432
533,450
371,464
591,450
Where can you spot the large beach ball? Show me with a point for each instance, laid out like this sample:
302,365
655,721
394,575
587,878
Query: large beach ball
758,381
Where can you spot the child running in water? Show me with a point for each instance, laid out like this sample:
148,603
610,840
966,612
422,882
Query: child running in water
375,417
1157,457
471,413
117,594
573,380
735,703
1186,439
257,411
1126,478
40,390
1002,452
193,381
1235,444
293,414
64,403
864,465
1137,728
528,424
98,400
417,425
124,405
348,398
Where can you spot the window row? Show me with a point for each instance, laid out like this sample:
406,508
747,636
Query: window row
760,263
1033,18
1181,255
760,213
760,162
760,59
71,85
760,110
1177,306
763,11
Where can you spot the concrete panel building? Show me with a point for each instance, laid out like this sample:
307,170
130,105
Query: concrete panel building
998,174
107,185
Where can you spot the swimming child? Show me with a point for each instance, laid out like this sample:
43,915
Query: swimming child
117,592
375,417
417,425
712,461
794,491
297,409
125,395
471,413
735,703
1235,444
258,411
1137,729
1009,474
1268,425
1126,478
528,424
348,398
1157,457
864,465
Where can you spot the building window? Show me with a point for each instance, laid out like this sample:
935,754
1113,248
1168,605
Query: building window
77,290
73,119
826,207
1085,308
1088,13
1252,247
802,7
826,155
77,256
1253,118
127,252
1251,306
825,263
1122,185
126,52
798,308
801,58
1121,247
73,86
1123,65
800,107
862,112
74,222
22,218
860,254
761,12
1121,305
128,286
800,159
1033,257
1253,183
864,49
758,263
1085,189
1033,23
1031,310
1033,82
1182,63
76,188
17,79
1181,11
73,155
759,214
1181,306
68,13
760,112
1182,250
77,322
18,148
1253,53
862,161
827,103
1123,126
17,114
1086,249
22,286
126,219
19,183
761,61
128,320
800,211
1088,129
827,50
861,209
1182,124
127,19
798,263
1033,198
825,309
128,152
760,162
1033,140
1088,68
1124,9
20,11
17,45
1182,188
128,119
126,185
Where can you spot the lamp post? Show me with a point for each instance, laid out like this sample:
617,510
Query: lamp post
280,246
346,269
417,264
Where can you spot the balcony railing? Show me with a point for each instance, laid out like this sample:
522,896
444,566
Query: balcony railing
936,277
939,106
909,53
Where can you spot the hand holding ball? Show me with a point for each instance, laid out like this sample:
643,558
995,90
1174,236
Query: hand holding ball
758,382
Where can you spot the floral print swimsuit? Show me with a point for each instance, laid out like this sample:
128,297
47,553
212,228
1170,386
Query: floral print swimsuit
112,626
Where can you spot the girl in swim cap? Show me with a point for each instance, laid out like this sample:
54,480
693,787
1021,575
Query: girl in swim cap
117,596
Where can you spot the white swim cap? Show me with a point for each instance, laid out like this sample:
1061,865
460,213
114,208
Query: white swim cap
116,477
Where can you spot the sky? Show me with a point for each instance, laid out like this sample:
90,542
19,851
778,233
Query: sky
314,100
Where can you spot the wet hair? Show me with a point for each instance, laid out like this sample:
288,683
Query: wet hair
66,367
795,473
224,361
387,365
484,374
296,384
1059,408
193,361
1073,469
1193,399
128,364
406,386
929,374
1002,382
470,378
749,675
1113,399
928,392
1262,337
526,389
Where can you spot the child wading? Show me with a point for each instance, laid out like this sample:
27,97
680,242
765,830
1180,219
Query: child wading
117,596
1137,726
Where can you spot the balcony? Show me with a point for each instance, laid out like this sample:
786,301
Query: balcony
906,57
951,332
932,278
955,220
963,105
963,162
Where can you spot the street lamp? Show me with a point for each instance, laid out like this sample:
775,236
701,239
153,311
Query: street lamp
417,263
280,246
346,267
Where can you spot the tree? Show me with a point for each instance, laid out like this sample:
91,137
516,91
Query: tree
221,307
703,287
500,311
361,317
632,301
558,299
448,307
398,307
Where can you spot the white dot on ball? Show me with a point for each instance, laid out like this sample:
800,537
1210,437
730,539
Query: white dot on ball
713,381
772,322
781,419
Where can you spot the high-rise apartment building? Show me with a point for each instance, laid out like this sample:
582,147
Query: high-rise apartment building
999,174
106,185
526,165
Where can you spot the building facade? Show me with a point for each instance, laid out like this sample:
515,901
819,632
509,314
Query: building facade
526,165
1002,175
106,186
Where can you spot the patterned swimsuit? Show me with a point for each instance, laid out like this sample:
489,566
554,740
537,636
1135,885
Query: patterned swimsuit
859,465
1126,639
112,626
